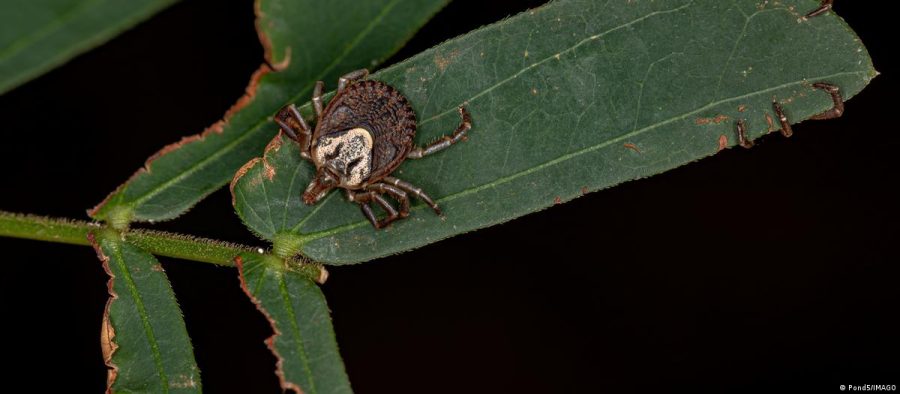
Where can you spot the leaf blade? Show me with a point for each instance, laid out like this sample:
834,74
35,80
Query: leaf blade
153,351
40,35
599,101
181,174
303,342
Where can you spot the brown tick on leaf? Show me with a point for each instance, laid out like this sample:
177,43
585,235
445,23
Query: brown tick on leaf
360,138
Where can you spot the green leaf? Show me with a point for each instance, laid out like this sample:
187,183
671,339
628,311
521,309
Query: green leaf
145,343
303,342
38,35
307,40
566,99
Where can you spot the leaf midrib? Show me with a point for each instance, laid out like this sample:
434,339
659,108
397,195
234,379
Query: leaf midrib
295,328
324,233
142,311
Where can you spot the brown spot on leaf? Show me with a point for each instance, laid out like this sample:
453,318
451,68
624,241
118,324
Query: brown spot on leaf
632,147
716,120
770,122
557,200
182,381
270,170
742,108
442,61
723,142
584,190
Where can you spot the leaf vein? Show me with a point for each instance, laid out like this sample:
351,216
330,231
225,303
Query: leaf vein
142,312
295,328
253,210
567,50
287,201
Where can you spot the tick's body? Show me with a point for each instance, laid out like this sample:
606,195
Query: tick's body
370,111
360,138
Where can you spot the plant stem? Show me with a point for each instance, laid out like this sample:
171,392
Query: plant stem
159,243
156,242
45,229
187,247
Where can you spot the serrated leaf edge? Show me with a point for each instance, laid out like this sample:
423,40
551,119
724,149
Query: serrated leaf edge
270,341
107,331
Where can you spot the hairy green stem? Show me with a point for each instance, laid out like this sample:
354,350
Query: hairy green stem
45,229
156,242
187,247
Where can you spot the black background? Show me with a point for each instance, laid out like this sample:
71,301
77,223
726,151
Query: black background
752,270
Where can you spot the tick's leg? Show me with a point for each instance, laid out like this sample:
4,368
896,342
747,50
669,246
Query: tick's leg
742,134
823,8
317,98
415,191
294,126
786,129
838,109
447,140
392,213
367,212
395,192
363,200
835,112
291,122
351,77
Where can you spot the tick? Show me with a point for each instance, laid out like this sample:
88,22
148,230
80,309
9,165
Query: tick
360,138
